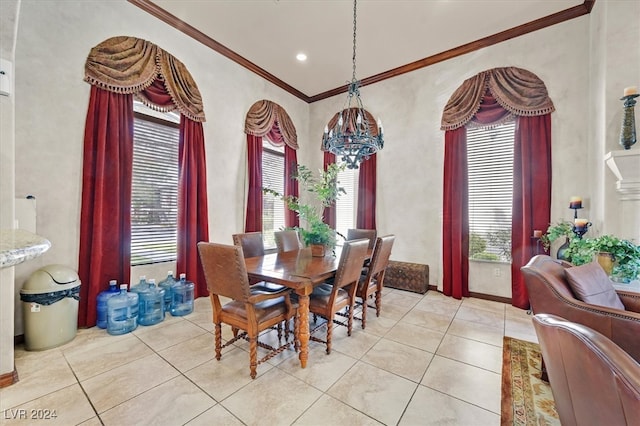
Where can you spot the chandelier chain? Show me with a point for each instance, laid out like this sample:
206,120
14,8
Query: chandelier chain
353,78
353,136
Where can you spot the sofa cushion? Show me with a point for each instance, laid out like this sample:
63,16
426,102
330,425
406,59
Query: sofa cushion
591,285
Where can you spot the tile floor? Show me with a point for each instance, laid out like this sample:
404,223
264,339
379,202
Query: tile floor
428,359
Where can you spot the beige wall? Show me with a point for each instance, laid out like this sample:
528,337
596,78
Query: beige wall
8,27
51,100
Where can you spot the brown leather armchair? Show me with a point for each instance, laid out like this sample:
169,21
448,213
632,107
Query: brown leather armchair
550,293
593,381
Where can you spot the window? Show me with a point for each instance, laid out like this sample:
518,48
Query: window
154,193
346,204
273,178
490,168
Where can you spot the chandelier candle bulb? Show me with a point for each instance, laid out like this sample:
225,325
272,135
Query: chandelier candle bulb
575,203
632,90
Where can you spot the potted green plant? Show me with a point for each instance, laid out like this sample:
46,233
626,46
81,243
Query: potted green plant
624,255
321,191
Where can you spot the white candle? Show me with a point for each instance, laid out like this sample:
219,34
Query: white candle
631,90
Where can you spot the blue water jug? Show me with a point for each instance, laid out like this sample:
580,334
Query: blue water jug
182,297
142,285
101,305
151,304
122,312
166,285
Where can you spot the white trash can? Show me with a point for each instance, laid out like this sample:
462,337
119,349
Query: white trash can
50,307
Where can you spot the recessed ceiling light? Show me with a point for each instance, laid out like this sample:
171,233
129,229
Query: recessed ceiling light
301,57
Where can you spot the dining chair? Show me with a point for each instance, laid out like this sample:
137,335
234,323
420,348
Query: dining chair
287,240
253,246
251,242
373,282
330,297
356,234
251,311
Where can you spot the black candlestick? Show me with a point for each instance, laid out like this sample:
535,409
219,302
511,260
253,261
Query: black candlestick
575,211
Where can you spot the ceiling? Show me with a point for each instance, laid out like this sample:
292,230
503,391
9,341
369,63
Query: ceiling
393,36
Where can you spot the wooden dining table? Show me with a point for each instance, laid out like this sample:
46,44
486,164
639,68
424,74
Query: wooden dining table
300,271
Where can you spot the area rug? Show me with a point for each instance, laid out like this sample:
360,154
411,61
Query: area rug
526,399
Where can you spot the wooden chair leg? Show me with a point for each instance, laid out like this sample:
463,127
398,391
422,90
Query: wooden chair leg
350,320
253,356
378,302
296,333
329,333
218,339
364,311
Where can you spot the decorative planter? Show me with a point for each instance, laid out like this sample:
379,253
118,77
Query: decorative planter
318,250
562,251
606,260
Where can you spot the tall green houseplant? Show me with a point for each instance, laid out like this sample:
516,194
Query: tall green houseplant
321,192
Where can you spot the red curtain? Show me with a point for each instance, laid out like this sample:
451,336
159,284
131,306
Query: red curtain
455,221
253,221
366,214
329,213
193,216
290,185
105,219
531,195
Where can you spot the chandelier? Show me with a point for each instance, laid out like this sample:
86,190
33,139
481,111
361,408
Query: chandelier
353,135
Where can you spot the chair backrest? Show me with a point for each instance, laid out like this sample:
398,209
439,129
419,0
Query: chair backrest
356,234
352,259
287,240
251,243
380,256
594,382
224,270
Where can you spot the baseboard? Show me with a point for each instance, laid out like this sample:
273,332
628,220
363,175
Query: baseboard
18,340
8,379
491,297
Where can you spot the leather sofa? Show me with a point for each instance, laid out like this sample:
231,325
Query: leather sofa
550,293
593,381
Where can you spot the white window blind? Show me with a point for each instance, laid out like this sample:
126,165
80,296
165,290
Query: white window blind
154,193
346,203
490,169
273,178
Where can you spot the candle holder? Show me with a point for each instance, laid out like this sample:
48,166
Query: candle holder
628,130
575,210
581,230
538,249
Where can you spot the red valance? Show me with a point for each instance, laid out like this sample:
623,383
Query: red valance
129,65
517,90
264,115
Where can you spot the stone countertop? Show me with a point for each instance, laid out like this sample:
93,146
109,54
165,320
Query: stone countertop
17,245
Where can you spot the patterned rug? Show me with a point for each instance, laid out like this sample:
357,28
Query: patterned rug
526,399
